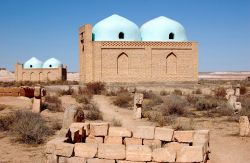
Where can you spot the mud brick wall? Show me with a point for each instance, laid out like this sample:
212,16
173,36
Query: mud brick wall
17,91
100,143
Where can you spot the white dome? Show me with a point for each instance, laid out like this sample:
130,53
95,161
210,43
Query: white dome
33,63
163,29
52,63
116,28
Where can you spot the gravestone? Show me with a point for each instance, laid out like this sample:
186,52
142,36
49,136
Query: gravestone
138,99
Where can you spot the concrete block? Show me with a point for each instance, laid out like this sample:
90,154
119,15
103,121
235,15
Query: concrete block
190,154
152,143
164,155
113,140
99,129
175,146
51,145
144,132
135,141
119,131
86,150
164,134
183,136
111,151
138,153
97,160
92,139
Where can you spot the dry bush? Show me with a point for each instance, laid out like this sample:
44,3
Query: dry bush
152,97
164,93
206,103
197,91
82,98
191,99
243,90
56,126
68,91
95,87
6,121
84,91
27,127
179,124
90,111
177,92
52,103
116,122
156,116
2,107
220,92
174,105
123,99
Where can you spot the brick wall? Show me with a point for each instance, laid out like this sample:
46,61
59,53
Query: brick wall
17,91
100,143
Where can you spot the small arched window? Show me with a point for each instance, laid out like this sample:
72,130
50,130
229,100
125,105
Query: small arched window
121,35
31,66
171,36
50,65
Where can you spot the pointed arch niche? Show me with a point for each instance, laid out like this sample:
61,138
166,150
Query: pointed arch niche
122,64
171,64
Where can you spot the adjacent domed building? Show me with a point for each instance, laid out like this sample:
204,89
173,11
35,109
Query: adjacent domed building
115,49
34,70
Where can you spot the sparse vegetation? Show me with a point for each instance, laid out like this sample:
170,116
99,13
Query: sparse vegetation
123,98
243,89
183,124
68,91
27,127
174,105
152,98
191,99
95,87
197,91
116,122
220,92
164,93
206,103
2,107
32,83
52,103
177,92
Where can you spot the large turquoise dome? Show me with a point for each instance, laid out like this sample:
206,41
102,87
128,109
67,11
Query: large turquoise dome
162,29
33,63
116,28
52,63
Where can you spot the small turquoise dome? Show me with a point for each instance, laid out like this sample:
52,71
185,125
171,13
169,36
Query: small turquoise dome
163,29
116,28
33,63
52,63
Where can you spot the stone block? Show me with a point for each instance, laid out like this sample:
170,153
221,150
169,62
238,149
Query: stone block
144,132
99,129
72,160
36,106
183,136
190,154
133,141
83,127
64,149
138,153
97,160
119,131
124,161
51,145
113,140
137,113
51,158
201,137
86,150
164,134
111,151
244,126
163,155
152,143
69,116
175,146
92,139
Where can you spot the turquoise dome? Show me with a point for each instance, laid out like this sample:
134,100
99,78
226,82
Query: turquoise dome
162,29
52,63
116,28
33,63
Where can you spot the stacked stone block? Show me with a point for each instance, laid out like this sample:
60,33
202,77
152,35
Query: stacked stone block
100,143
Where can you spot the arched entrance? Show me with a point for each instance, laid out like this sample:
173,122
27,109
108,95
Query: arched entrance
122,64
171,64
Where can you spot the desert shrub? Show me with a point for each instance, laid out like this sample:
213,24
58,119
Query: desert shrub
192,99
95,87
2,107
109,93
164,93
52,103
6,121
197,91
123,99
116,122
152,97
156,116
220,92
81,98
68,91
28,127
148,94
84,91
56,125
206,104
245,102
243,90
179,124
174,105
177,92
94,114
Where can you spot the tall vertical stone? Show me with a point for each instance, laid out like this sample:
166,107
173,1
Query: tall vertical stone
138,99
244,126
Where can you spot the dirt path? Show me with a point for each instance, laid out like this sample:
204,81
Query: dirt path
111,111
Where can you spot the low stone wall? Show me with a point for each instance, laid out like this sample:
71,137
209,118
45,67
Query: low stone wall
17,91
100,143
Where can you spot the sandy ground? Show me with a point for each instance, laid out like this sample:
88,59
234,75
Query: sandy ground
226,145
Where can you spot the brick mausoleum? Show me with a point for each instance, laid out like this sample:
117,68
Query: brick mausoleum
117,50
